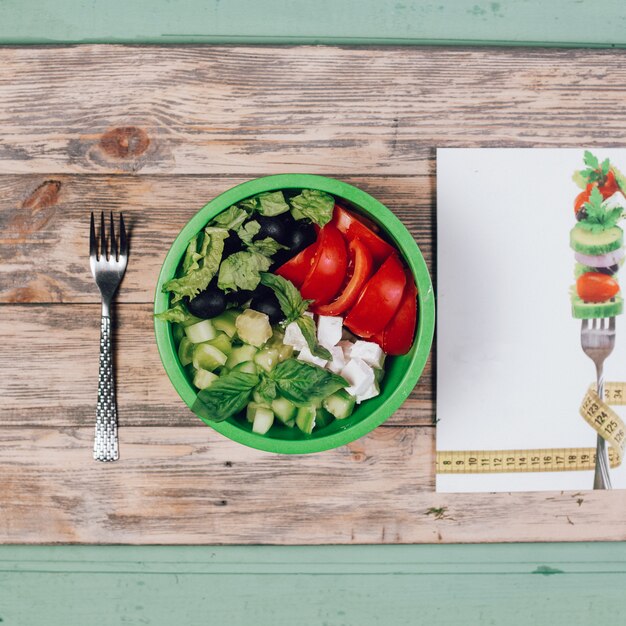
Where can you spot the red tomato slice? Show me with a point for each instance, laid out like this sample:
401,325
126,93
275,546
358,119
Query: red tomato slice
362,266
596,287
379,300
353,228
328,269
298,267
397,337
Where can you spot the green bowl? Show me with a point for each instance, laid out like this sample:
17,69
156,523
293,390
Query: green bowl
401,372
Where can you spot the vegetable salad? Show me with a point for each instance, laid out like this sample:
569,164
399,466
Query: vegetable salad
597,240
284,308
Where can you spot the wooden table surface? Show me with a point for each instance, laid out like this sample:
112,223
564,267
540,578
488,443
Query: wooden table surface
159,132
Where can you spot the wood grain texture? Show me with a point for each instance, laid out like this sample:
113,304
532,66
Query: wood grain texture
199,110
159,132
44,226
58,372
190,485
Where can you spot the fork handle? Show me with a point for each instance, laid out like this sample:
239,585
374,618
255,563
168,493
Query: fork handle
105,447
601,478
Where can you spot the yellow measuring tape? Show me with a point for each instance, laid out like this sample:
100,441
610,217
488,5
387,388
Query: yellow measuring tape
596,412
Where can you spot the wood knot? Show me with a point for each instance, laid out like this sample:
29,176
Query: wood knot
43,196
125,142
36,211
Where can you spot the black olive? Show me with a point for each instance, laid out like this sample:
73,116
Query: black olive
581,214
301,237
232,244
273,227
239,297
208,303
613,269
268,304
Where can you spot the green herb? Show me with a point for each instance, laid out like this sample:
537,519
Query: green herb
272,203
313,204
303,383
293,307
231,219
595,171
241,270
226,396
202,266
599,217
266,389
307,326
176,314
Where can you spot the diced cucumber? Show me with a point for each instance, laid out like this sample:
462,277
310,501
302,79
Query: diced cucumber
266,358
284,352
290,423
305,419
223,343
263,420
323,418
248,367
241,354
185,351
596,243
226,322
284,410
253,327
191,321
178,332
259,399
200,332
251,410
208,357
340,404
204,378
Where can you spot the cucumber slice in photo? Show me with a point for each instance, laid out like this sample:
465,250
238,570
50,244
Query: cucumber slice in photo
247,367
595,244
305,419
204,378
222,342
284,410
225,322
340,404
185,351
241,354
262,420
266,358
208,357
323,418
201,332
593,310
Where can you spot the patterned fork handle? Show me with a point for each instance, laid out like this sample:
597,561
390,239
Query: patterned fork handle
105,447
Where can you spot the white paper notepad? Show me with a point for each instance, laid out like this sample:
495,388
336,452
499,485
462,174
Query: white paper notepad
510,370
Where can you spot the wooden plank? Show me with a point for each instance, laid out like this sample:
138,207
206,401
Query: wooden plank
44,222
560,22
368,585
113,109
58,348
189,485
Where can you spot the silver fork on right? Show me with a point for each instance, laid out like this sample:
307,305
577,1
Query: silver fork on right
597,337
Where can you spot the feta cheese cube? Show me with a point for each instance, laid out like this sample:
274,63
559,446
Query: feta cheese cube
338,361
372,391
369,351
306,356
294,337
360,376
346,346
329,330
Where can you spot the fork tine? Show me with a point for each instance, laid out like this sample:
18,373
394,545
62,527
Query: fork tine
103,239
113,254
612,323
93,245
123,242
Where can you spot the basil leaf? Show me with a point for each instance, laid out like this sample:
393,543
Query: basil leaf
303,383
289,298
313,204
226,396
230,219
266,389
272,203
176,314
307,326
241,270
203,266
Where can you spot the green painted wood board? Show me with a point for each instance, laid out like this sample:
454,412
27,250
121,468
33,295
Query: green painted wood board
332,586
449,22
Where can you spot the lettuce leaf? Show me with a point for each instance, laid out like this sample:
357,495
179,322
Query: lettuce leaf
313,204
272,203
230,219
241,270
203,266
176,314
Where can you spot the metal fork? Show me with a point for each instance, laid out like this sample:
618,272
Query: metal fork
597,337
108,270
